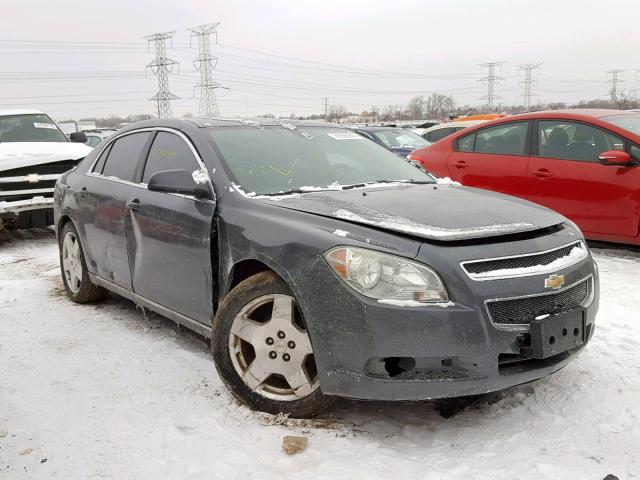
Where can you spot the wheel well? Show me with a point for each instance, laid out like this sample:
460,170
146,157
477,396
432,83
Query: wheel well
245,269
62,222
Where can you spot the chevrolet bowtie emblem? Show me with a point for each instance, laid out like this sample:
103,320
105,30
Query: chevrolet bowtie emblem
554,281
33,178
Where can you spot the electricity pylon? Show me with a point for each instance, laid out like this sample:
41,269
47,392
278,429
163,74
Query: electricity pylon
205,63
161,66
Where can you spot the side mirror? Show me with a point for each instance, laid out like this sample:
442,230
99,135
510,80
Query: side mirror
615,158
178,181
78,137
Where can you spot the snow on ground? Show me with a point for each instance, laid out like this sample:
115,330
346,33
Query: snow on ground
101,391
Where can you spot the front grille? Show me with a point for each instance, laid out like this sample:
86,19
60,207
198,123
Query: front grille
520,311
17,186
43,169
483,268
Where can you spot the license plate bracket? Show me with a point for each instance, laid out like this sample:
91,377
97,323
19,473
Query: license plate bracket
556,334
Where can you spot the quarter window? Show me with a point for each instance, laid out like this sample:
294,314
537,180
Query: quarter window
169,152
124,156
465,144
574,141
103,157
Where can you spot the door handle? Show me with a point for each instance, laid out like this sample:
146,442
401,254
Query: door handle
542,173
461,164
134,204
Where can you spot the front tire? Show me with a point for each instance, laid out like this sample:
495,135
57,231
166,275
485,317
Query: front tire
73,266
262,350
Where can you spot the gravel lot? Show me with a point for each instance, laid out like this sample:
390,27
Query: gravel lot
102,391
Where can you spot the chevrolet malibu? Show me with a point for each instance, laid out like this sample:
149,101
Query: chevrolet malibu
322,265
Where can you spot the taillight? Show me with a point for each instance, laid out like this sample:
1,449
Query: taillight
416,158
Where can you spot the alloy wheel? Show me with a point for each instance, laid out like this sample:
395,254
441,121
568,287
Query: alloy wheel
270,349
71,262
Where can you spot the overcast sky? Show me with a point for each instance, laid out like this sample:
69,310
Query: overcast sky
77,59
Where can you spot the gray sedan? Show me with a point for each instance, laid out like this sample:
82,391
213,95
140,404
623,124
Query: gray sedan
322,265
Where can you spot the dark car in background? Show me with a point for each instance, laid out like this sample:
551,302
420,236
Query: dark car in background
321,265
399,140
584,164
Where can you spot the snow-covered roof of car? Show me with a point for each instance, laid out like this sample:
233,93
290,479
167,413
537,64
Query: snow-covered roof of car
23,111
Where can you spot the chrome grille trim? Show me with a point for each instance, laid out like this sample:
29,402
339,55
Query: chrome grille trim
501,264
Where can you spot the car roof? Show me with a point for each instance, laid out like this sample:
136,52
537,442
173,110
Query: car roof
574,112
177,123
22,111
264,122
461,124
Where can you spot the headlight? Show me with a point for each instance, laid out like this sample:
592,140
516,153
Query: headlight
386,277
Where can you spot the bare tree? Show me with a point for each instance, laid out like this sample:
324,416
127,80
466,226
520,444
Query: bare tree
438,106
416,107
625,100
336,112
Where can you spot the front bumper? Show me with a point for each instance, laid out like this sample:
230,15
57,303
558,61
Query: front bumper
447,351
30,213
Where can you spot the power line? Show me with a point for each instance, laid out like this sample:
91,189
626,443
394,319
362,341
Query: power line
206,63
161,66
527,83
491,80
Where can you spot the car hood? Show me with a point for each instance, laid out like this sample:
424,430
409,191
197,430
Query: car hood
440,212
21,154
403,151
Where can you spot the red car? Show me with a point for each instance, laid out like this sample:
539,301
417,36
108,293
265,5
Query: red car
584,164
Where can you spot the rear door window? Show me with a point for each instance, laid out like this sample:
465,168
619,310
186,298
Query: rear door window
124,156
504,139
574,141
169,152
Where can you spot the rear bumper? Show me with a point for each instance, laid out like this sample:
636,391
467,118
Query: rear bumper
31,213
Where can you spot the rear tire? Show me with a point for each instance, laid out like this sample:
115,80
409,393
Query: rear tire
262,350
73,266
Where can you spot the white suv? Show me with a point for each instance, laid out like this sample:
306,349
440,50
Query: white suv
33,154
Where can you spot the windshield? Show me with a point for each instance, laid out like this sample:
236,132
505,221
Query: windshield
30,128
399,138
271,160
628,121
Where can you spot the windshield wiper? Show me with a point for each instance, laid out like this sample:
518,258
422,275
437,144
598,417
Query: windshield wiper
345,187
289,192
410,180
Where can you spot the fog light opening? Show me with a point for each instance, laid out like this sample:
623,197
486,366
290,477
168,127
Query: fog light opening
395,366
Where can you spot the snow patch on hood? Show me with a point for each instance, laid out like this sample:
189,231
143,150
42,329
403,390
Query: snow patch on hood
340,233
412,227
24,154
446,181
